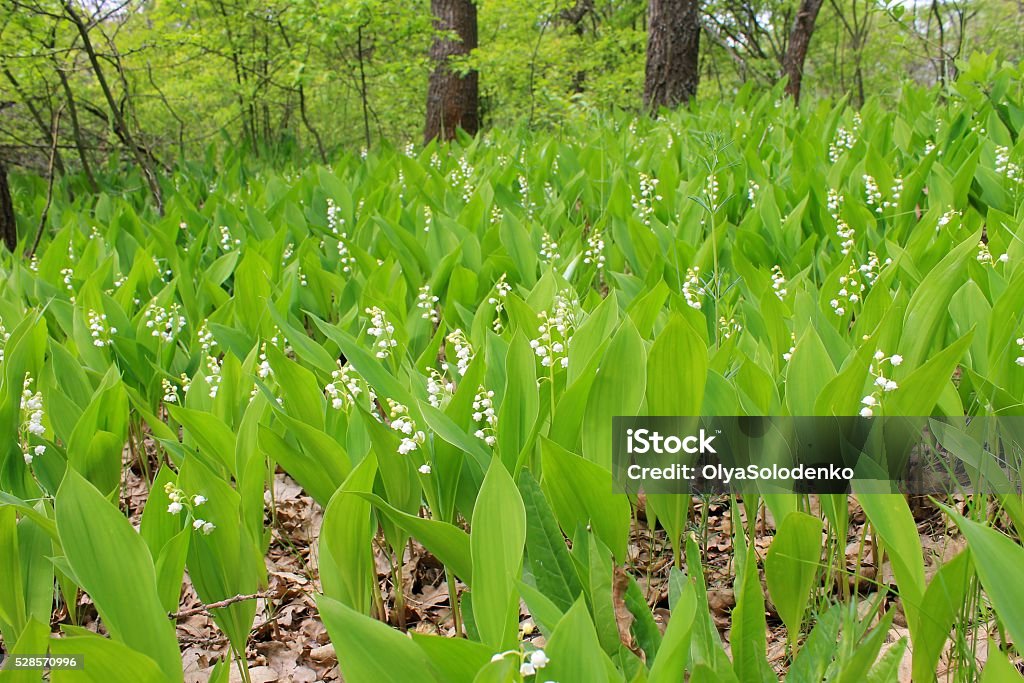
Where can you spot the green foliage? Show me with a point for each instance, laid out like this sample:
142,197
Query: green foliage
433,343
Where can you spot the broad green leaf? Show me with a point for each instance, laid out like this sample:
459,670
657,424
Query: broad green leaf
122,584
496,541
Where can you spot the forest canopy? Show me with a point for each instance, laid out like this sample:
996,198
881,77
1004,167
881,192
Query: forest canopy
308,78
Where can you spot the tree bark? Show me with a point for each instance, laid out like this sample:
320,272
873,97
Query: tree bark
799,41
452,99
8,226
672,70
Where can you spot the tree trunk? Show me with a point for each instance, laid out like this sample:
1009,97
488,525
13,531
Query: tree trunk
673,51
799,41
452,99
8,226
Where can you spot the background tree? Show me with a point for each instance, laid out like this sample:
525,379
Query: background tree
672,69
452,97
799,41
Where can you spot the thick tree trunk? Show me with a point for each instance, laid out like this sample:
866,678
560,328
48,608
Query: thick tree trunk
452,100
8,227
799,41
673,51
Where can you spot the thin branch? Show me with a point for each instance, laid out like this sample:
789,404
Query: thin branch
49,184
205,609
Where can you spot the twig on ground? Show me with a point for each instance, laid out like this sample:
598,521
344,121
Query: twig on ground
215,605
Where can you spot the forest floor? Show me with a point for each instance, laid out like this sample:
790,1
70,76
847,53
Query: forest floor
289,644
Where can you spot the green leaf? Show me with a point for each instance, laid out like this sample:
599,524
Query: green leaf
791,567
520,404
122,584
105,661
347,570
810,368
996,558
369,650
618,390
891,518
580,495
573,649
549,557
496,543
676,370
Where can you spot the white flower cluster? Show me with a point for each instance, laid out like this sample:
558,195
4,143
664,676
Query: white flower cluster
595,250
213,376
440,389
463,176
382,331
872,195
345,258
401,422
548,249
835,203
345,396
227,242
206,340
463,351
335,222
870,270
788,355
484,417
556,330
4,336
409,150
894,195
501,290
32,414
752,190
529,663
1020,359
99,330
711,192
170,391
851,290
497,215
524,194
729,327
427,302
644,204
985,257
264,370
1007,168
180,501
67,275
428,218
846,235
881,384
946,218
693,289
164,323
778,282
843,140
